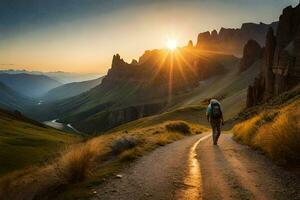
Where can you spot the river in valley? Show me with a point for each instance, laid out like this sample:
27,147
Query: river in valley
61,126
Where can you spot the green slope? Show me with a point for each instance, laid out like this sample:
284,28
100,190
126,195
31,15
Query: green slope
24,142
231,88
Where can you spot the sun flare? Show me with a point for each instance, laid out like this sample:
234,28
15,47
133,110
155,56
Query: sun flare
171,44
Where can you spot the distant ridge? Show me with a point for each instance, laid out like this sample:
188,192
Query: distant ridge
232,41
29,85
70,89
60,76
11,100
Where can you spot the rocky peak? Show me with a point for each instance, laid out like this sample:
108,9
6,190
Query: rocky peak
134,62
226,33
154,67
252,52
190,44
214,34
233,40
117,61
270,48
203,37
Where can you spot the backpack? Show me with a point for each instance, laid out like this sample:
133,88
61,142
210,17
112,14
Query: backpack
216,111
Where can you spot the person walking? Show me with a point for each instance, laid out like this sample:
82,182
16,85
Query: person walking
214,116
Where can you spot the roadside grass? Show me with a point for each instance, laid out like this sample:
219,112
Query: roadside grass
274,131
180,127
81,167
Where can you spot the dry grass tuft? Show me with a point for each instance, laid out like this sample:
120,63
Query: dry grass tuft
179,126
167,138
131,154
124,143
75,165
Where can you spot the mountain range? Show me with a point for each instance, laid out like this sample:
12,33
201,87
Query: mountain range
232,40
23,91
11,100
29,85
60,76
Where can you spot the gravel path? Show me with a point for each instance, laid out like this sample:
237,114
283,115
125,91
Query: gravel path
193,168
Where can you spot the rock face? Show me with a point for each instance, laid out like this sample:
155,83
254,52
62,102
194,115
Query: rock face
252,52
281,67
232,41
162,71
131,113
190,44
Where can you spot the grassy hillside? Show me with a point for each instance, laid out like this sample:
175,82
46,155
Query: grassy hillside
70,90
24,142
83,105
274,128
230,89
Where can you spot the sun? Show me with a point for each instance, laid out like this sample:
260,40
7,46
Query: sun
171,44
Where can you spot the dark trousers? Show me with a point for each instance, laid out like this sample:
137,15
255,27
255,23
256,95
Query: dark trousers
216,129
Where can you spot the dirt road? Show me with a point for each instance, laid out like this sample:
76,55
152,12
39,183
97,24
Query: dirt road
195,169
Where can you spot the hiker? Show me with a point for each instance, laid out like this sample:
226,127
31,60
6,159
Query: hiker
214,116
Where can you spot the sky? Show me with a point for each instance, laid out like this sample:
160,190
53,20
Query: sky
83,35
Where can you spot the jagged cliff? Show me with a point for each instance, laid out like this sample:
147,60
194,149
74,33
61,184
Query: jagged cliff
281,67
163,71
230,40
251,53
